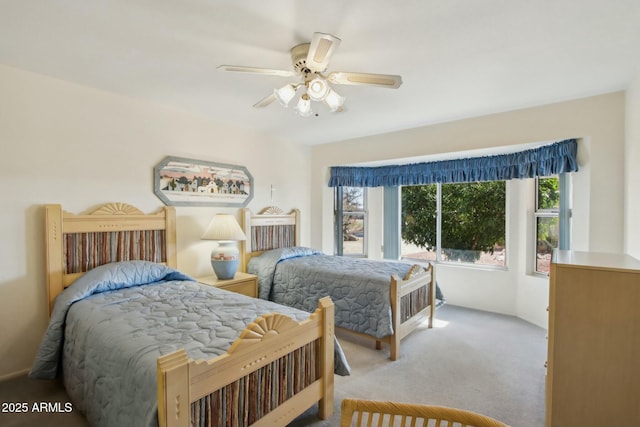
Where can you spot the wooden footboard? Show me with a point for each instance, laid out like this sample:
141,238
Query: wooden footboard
277,369
412,303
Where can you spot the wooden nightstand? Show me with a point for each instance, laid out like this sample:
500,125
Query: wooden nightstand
242,283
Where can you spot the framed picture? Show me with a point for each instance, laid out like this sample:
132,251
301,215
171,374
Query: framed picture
187,182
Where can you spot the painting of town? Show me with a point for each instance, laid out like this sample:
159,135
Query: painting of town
187,182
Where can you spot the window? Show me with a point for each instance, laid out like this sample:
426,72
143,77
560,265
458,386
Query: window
419,222
461,223
547,222
350,220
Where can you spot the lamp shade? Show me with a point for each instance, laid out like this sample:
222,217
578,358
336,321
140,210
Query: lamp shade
304,106
285,94
317,89
225,258
334,100
224,227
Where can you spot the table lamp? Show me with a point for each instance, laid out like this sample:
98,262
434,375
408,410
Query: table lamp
225,257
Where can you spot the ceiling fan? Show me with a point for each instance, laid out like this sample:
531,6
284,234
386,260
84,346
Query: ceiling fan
310,62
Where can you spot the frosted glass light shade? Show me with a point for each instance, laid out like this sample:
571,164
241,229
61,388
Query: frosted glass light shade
318,89
334,100
304,106
285,94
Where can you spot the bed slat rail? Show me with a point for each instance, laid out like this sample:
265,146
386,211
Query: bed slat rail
257,394
414,295
84,251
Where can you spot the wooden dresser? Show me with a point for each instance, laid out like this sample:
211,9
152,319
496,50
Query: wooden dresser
593,361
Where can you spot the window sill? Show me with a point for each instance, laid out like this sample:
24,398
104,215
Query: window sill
539,275
485,267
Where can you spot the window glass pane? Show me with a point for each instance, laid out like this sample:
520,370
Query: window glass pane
353,234
548,194
547,221
547,233
419,216
351,221
473,223
353,199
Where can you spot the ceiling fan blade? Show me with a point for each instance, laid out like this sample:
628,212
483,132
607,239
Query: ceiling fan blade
367,79
265,101
257,70
321,49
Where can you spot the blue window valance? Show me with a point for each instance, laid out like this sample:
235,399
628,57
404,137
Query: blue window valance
546,160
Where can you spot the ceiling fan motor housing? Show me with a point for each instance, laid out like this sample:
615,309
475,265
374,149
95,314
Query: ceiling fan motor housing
299,58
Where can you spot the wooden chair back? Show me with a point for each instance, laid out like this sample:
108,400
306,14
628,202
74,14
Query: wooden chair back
368,413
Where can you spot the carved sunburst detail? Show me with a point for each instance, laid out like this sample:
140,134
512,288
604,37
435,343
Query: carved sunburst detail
272,210
117,209
415,269
262,328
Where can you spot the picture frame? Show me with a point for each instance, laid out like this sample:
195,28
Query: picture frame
180,181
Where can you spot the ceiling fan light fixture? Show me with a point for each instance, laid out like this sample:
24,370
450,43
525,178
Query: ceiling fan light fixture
334,100
303,108
285,94
318,88
310,62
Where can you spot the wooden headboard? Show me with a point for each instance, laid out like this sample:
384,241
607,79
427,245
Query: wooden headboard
113,232
271,228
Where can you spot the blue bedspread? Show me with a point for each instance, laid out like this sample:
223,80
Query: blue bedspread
359,288
110,326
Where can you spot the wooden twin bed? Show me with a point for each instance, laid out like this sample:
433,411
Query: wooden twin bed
412,297
120,232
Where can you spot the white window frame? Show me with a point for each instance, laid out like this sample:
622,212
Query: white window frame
563,213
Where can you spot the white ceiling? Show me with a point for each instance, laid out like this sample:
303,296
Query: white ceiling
457,58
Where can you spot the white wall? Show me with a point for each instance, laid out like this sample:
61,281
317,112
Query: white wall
598,194
632,171
68,144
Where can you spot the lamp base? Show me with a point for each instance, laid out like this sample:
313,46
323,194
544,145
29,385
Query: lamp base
225,260
225,269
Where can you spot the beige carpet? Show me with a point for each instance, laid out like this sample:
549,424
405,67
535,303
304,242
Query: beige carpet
484,362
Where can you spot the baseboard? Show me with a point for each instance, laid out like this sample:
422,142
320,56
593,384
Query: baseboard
14,374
